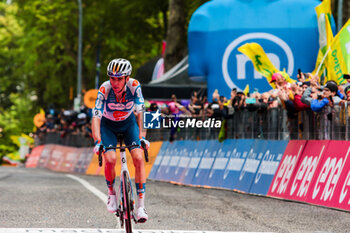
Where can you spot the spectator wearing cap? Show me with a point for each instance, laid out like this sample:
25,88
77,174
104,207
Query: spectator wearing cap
280,80
327,97
347,93
240,103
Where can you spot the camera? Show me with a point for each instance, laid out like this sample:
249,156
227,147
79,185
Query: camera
271,99
331,98
346,76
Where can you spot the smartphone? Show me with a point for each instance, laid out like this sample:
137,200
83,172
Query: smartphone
299,72
331,98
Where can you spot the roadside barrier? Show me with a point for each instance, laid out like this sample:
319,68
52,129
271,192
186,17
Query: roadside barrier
33,158
80,160
268,166
314,171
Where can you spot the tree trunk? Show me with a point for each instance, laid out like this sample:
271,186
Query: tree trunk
176,46
346,11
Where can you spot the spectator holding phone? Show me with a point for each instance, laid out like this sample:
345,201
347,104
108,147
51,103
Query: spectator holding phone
327,97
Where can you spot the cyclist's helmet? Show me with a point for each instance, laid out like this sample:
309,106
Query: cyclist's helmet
119,67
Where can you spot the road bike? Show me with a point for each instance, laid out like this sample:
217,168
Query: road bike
125,194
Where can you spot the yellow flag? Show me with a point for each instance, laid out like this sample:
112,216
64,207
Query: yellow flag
261,62
338,58
324,14
246,90
259,58
327,63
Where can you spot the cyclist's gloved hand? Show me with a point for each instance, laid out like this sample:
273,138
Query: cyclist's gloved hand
143,139
97,147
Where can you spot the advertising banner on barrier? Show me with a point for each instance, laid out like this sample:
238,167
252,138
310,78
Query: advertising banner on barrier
299,185
251,165
33,158
94,168
268,166
286,168
327,187
206,163
152,155
216,174
176,153
159,158
56,158
45,155
190,172
160,175
70,158
185,156
85,157
236,162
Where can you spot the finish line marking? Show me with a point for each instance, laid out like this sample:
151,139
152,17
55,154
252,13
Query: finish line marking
89,230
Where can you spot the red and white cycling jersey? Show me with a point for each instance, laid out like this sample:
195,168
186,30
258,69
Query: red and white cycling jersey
107,104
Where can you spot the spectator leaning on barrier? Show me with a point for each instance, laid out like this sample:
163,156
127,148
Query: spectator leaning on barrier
298,93
326,96
347,93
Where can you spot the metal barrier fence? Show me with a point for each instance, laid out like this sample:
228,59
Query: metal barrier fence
274,124
75,140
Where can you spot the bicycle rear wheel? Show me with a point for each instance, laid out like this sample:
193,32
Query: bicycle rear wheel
126,202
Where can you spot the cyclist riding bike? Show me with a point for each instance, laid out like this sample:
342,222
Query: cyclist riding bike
116,101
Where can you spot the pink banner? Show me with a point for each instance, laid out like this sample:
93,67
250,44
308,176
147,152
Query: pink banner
70,158
45,155
56,158
291,156
33,158
330,184
299,186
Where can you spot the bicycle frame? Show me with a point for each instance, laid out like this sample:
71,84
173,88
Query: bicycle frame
126,203
122,208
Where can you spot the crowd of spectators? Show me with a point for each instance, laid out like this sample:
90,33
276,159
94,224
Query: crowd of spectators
307,92
66,122
303,94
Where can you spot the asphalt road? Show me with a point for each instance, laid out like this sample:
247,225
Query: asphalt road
39,198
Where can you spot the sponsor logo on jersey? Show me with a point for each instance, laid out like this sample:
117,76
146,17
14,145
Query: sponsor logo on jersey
118,106
135,83
103,90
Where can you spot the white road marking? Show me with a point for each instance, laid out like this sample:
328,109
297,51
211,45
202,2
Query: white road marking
89,230
94,190
91,188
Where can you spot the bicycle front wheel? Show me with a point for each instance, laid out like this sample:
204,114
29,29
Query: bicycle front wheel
126,202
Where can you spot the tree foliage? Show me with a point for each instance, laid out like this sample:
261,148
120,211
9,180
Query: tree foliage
39,44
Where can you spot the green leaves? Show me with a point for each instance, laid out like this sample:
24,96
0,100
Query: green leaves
39,48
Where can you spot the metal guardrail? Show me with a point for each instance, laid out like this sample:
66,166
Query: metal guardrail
274,124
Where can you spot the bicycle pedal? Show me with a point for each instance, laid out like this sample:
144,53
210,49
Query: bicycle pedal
117,213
